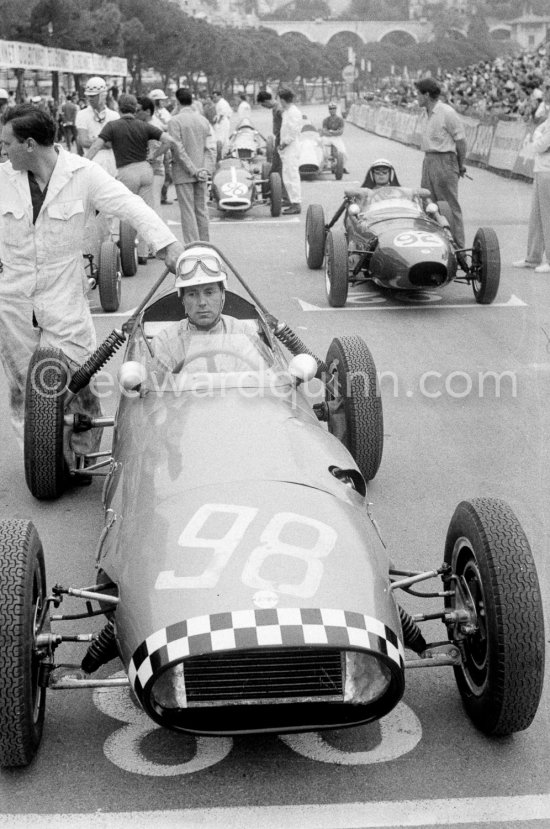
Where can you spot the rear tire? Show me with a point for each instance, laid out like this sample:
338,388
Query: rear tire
276,194
45,469
22,601
485,265
501,676
315,236
339,166
355,383
109,277
128,249
336,267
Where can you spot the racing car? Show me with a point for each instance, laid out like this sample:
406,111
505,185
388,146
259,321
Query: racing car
400,239
247,143
318,156
238,185
243,581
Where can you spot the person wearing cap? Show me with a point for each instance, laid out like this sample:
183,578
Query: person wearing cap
289,149
380,174
201,280
159,97
91,120
332,130
190,171
222,125
47,198
69,112
444,145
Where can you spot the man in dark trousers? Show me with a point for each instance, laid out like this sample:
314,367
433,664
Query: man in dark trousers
190,171
444,144
265,99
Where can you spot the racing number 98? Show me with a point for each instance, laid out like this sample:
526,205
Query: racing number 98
271,544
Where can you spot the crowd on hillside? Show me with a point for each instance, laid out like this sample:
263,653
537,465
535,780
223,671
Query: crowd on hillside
510,87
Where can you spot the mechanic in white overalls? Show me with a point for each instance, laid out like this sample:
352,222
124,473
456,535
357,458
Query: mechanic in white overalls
201,281
289,150
47,195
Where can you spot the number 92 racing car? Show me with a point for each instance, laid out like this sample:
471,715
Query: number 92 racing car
241,578
400,239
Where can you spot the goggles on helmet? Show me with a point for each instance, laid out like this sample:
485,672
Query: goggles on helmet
209,263
380,169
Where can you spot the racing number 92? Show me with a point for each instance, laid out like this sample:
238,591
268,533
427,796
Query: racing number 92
323,538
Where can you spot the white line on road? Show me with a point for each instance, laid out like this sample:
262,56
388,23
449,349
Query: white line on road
251,221
513,302
405,813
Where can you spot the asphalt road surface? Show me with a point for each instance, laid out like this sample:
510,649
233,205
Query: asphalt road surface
450,434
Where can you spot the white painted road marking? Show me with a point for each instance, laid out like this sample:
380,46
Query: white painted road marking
513,302
248,220
398,813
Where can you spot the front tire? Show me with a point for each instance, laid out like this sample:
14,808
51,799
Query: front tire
128,249
485,265
353,382
315,236
22,616
45,469
501,675
276,193
336,267
265,173
109,277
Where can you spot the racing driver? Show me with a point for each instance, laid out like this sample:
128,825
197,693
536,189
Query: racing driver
201,281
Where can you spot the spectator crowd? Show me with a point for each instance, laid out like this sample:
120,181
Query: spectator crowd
510,86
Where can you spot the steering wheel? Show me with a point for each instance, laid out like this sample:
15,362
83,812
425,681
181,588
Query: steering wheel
231,352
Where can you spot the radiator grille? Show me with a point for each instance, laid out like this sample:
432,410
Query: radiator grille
265,675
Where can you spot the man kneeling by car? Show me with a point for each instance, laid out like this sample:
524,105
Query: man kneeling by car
201,281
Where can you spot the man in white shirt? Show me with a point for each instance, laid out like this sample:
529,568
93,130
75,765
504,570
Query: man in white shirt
289,149
244,110
91,120
222,126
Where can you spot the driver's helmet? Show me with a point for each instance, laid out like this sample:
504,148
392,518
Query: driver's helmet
94,86
384,164
199,265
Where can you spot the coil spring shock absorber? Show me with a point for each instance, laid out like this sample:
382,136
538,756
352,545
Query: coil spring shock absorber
102,649
411,632
288,337
103,352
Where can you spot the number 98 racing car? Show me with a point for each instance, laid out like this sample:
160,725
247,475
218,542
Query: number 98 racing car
398,238
243,583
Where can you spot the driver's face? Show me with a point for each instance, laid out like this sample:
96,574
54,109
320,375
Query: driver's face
381,176
203,304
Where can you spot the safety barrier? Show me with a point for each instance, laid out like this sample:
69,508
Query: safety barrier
503,146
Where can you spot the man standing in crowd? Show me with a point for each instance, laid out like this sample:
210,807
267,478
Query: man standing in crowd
91,120
333,129
129,137
289,148
444,145
4,104
146,112
265,99
69,111
538,236
222,126
244,110
160,98
47,197
190,171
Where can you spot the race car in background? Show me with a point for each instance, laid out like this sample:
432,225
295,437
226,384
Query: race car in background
317,156
397,238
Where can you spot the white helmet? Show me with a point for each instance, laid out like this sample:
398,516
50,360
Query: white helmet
4,95
157,95
199,265
94,86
